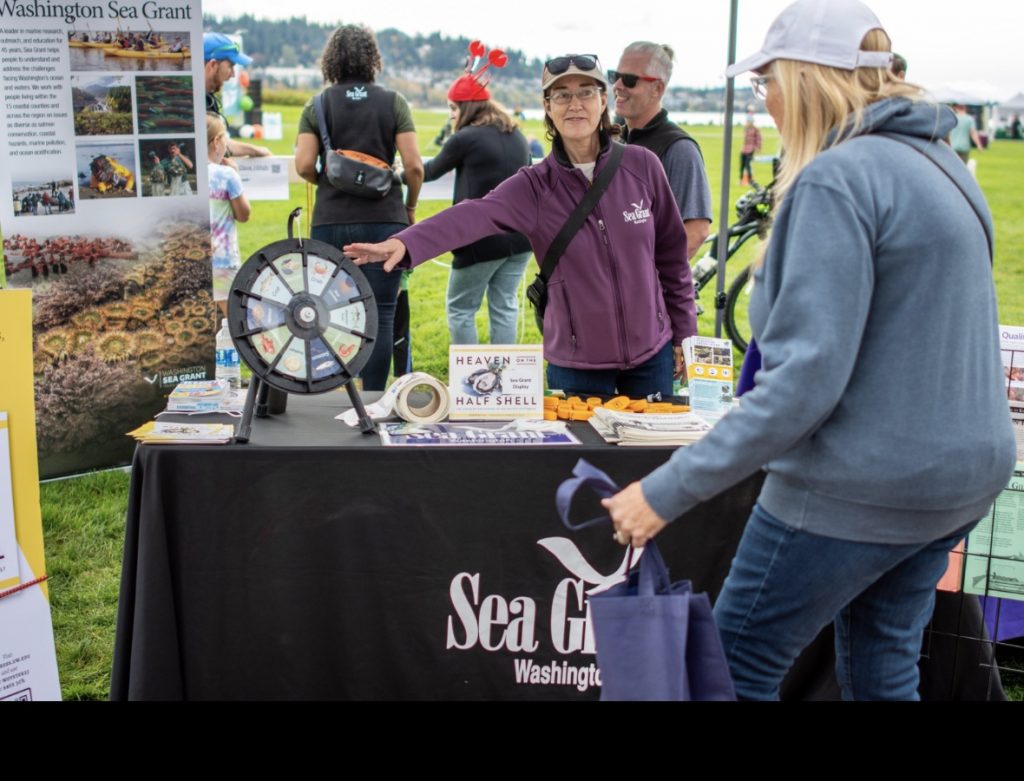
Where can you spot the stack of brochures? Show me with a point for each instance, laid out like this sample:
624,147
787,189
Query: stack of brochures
197,396
184,433
205,396
632,429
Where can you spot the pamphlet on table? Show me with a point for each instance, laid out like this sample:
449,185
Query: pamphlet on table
486,434
205,396
155,432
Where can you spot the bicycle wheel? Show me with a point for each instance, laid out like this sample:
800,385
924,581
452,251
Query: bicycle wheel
736,323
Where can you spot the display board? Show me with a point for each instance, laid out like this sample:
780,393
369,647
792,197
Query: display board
28,660
106,217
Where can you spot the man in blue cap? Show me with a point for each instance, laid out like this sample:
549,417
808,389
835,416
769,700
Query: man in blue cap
221,55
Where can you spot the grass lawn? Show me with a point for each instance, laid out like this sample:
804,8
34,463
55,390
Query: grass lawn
84,517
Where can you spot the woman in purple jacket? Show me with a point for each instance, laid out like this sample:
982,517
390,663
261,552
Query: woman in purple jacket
620,300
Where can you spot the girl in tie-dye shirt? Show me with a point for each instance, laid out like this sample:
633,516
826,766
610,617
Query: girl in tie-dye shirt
228,205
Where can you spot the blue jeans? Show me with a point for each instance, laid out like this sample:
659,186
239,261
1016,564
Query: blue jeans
385,286
652,376
786,585
500,279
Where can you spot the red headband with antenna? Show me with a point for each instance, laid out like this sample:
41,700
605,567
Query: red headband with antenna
473,84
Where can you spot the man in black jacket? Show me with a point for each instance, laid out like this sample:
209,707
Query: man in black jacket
639,83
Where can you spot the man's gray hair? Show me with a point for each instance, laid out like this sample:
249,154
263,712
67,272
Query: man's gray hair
661,57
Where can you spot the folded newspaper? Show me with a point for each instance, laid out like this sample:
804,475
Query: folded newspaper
631,428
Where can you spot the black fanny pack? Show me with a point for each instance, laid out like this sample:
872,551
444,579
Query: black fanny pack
355,173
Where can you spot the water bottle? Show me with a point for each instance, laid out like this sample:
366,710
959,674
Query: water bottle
228,366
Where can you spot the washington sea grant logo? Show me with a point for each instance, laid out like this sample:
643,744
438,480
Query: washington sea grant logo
494,622
639,215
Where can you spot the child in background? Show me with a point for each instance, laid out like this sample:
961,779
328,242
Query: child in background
228,205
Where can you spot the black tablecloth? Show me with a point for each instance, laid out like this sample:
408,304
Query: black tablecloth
314,563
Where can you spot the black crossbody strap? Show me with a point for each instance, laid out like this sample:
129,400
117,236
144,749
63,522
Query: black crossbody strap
319,103
581,212
924,148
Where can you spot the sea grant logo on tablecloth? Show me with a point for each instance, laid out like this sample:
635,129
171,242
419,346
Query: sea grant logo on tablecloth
496,382
496,622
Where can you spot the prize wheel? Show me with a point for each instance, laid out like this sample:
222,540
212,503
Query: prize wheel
302,316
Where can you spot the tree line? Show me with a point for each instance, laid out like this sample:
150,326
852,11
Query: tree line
298,42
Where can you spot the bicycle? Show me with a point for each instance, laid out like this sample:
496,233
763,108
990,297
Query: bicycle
753,218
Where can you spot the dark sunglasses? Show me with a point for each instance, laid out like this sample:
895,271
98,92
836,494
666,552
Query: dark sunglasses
629,80
559,65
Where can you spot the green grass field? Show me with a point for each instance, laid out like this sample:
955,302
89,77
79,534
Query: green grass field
84,517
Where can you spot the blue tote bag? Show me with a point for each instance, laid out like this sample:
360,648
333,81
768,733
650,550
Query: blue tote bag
656,640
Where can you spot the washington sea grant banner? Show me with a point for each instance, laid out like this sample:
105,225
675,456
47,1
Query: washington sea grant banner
105,214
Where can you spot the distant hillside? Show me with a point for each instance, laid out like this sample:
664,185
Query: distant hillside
297,42
420,66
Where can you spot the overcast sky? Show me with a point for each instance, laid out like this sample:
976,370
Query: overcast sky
975,46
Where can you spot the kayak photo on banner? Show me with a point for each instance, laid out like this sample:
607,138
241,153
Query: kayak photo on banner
124,50
98,131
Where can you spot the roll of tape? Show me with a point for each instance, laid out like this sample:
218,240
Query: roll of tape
430,404
398,399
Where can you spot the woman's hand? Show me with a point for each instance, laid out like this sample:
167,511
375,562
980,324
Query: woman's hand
390,252
679,364
635,521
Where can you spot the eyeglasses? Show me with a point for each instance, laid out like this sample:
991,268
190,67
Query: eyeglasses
759,84
629,80
559,65
563,97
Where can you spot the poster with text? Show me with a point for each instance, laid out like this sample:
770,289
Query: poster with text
496,382
995,549
106,216
28,658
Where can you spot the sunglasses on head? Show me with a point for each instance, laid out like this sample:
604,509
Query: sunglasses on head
629,80
559,65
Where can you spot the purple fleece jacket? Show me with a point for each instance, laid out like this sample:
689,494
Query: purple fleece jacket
621,290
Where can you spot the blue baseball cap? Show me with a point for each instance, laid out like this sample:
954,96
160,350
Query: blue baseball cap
217,46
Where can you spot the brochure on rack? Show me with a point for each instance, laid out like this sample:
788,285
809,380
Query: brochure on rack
709,374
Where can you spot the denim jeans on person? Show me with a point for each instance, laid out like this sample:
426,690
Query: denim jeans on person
385,286
500,280
652,376
786,585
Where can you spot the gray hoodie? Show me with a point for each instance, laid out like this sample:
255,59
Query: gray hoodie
879,413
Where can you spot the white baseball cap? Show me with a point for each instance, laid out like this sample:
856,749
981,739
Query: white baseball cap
826,32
